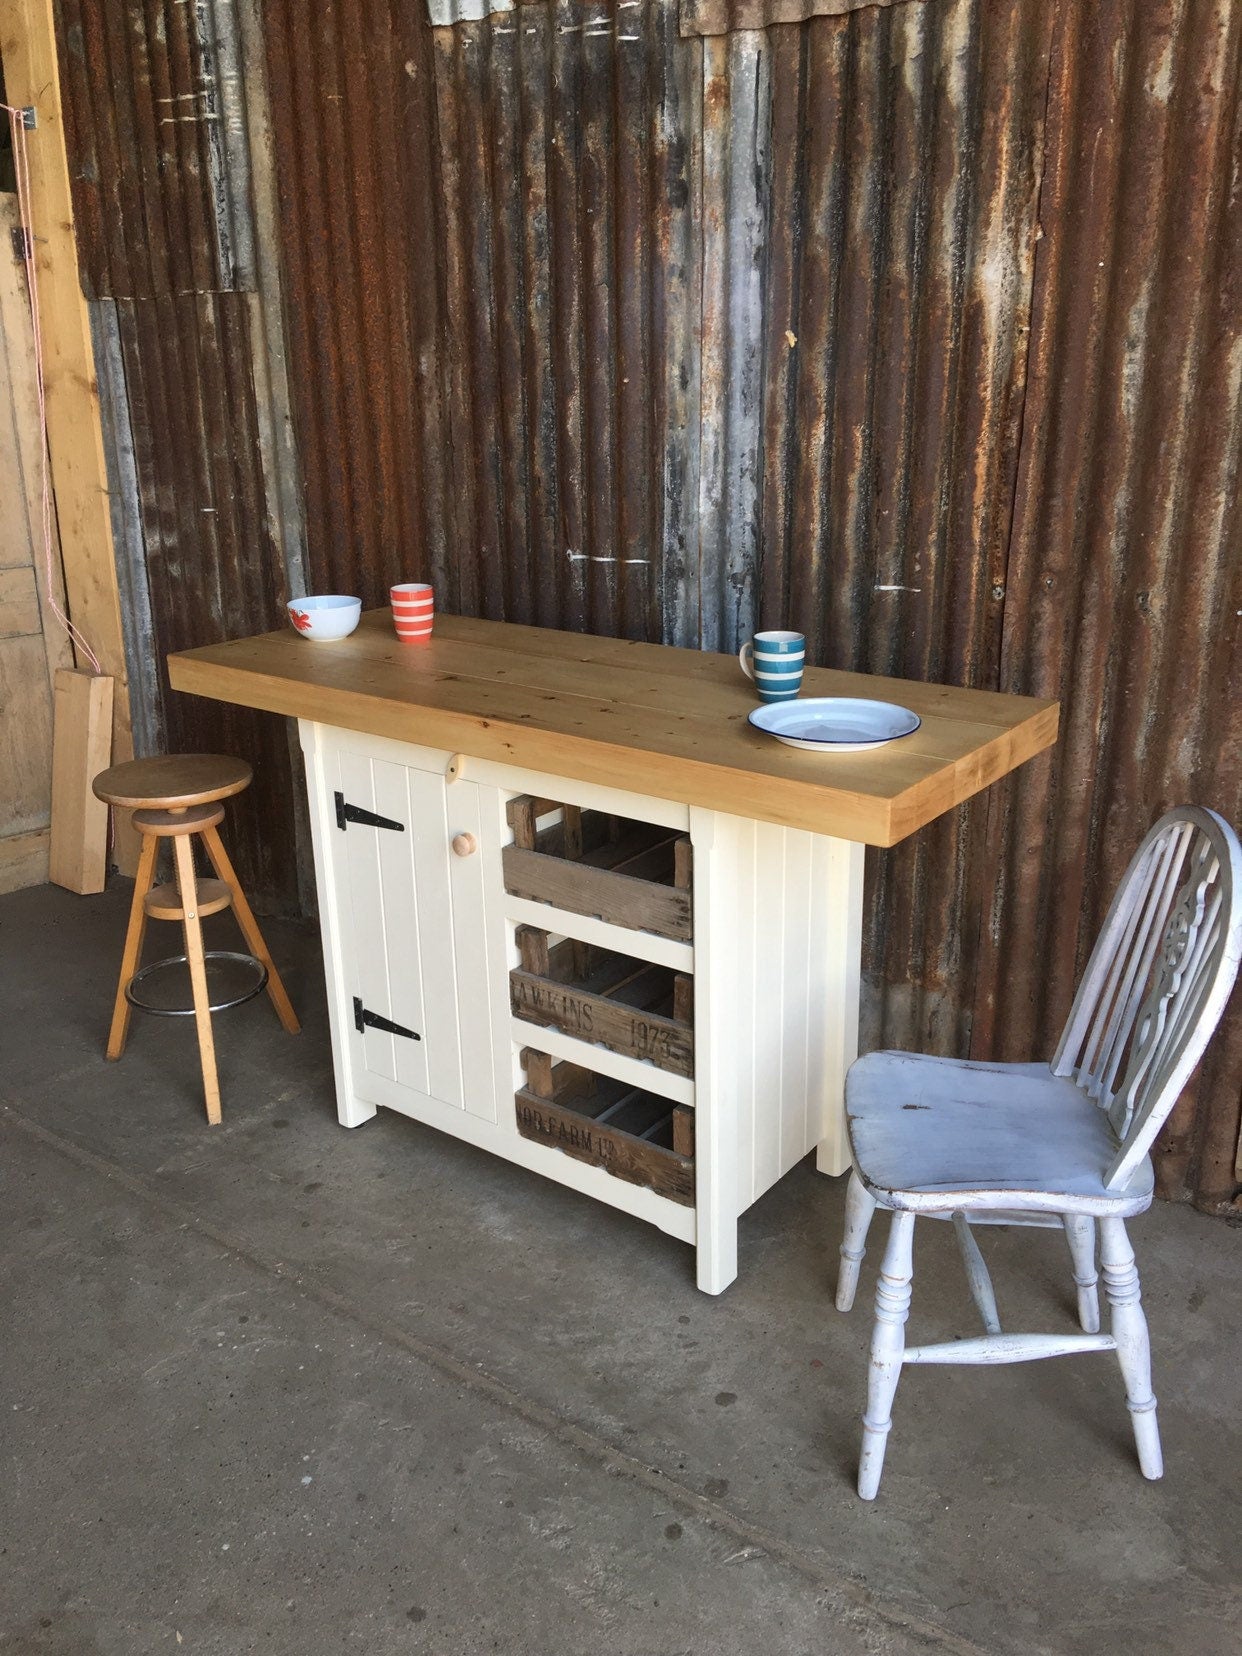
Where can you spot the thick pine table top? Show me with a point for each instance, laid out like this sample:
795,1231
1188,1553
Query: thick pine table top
644,717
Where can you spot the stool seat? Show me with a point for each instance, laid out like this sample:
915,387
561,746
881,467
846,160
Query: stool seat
172,780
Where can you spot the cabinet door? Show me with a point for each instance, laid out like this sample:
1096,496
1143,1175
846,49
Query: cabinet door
410,914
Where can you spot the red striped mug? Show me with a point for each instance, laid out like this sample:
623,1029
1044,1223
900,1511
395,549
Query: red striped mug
413,611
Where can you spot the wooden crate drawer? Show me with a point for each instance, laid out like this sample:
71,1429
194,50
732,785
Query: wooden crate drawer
642,1011
632,1134
612,868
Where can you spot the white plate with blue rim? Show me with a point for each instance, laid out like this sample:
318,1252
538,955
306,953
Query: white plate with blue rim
835,724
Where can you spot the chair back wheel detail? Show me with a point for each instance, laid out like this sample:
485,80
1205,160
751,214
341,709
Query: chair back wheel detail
176,797
1065,1144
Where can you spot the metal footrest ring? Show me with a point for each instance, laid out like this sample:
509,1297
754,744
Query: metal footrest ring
257,967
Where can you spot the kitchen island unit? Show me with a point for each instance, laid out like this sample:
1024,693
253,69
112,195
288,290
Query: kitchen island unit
578,912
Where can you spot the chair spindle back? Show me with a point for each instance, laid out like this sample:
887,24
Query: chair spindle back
1158,978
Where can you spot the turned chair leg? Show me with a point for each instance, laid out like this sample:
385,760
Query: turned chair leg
250,930
859,1207
187,886
132,953
1080,1234
1129,1328
888,1343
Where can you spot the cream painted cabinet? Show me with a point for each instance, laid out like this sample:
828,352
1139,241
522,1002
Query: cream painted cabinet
651,1003
640,977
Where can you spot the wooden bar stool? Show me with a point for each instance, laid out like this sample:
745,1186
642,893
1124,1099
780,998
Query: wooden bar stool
174,798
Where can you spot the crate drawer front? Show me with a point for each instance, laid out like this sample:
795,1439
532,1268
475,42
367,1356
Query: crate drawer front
641,1011
631,874
633,1135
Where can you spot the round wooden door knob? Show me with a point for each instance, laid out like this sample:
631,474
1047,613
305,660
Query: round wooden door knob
465,845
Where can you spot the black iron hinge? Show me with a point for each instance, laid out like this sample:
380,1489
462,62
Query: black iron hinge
354,813
363,1020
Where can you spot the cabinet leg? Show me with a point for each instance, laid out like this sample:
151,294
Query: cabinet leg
716,1256
832,1156
352,1112
841,941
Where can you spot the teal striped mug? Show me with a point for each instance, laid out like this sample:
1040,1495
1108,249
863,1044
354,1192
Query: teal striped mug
775,661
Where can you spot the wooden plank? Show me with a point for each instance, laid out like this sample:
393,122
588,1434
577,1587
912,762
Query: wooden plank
583,966
624,1156
650,862
533,951
19,600
75,437
522,814
683,863
25,736
22,453
645,1036
538,1067
683,1130
658,721
82,740
683,998
23,860
552,1078
615,898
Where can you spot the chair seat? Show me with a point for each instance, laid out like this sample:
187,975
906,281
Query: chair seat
938,1134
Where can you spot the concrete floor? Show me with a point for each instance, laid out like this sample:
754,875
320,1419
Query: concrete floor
279,1387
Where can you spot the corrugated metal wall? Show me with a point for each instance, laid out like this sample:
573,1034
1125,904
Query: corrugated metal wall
158,159
1125,564
918,327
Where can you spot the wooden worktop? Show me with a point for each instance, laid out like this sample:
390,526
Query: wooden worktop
644,717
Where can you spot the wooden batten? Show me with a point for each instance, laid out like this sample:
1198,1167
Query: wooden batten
82,740
683,1130
75,437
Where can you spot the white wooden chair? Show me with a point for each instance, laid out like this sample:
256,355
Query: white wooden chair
1059,1145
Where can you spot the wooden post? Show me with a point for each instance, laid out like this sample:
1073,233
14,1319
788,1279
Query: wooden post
75,436
78,856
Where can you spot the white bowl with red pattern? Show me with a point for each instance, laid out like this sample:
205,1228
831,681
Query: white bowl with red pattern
326,618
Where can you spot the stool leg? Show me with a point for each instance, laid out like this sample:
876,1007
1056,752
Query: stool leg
188,887
250,929
133,945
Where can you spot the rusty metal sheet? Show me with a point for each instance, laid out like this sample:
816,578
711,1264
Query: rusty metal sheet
1124,584
157,160
353,132
737,123
159,164
495,384
906,154
716,17
209,564
899,326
